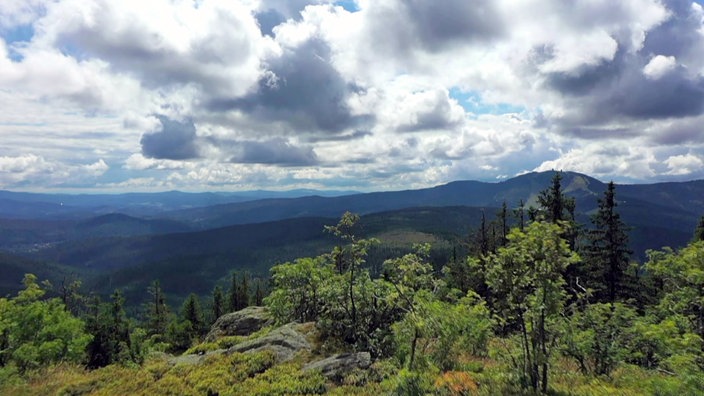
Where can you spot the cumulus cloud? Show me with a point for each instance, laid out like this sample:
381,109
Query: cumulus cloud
425,110
659,66
20,12
301,88
405,26
303,92
684,164
214,44
33,170
139,162
275,151
604,161
175,141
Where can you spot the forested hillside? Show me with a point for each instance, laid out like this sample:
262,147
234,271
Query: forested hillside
126,251
532,303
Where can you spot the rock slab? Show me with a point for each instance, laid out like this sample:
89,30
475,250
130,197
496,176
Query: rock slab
337,366
240,323
285,342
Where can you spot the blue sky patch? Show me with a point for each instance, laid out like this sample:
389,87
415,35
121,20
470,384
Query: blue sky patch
14,37
18,33
349,5
472,102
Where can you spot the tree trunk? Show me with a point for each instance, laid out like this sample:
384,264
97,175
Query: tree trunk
352,303
414,342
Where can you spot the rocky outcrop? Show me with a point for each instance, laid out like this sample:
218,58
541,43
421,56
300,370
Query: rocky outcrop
337,367
240,323
284,341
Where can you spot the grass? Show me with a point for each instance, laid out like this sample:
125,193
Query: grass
258,374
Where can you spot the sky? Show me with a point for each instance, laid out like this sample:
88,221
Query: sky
209,95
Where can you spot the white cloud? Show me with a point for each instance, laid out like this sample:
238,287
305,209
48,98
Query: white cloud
20,12
361,99
659,66
18,171
139,162
606,161
97,169
570,53
685,164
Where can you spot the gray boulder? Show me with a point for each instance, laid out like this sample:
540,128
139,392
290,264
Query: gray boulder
240,323
284,341
338,366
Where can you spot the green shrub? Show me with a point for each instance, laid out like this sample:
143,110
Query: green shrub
413,383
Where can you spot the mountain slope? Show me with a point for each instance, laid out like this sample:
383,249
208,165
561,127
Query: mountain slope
459,193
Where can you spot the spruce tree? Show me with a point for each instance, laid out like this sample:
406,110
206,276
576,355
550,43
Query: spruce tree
520,215
243,293
552,200
218,302
258,293
558,207
233,295
483,242
158,311
608,253
699,231
503,218
108,324
192,313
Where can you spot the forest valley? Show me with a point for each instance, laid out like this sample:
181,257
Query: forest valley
540,305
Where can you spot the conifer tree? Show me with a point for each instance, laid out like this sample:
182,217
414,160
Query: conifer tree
233,295
218,302
608,253
483,242
558,207
192,313
551,199
70,295
503,218
158,311
699,231
555,204
243,293
258,293
520,214
108,324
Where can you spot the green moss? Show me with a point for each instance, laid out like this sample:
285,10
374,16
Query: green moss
283,379
202,348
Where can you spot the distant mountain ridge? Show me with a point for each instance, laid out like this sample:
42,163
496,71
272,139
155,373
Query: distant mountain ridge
200,245
682,197
72,206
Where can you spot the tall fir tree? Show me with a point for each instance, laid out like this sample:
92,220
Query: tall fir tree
233,294
503,220
258,293
607,253
699,231
157,310
243,292
192,313
520,214
558,207
552,200
483,237
70,295
109,326
218,302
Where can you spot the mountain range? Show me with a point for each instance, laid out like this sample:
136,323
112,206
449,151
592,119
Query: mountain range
127,240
